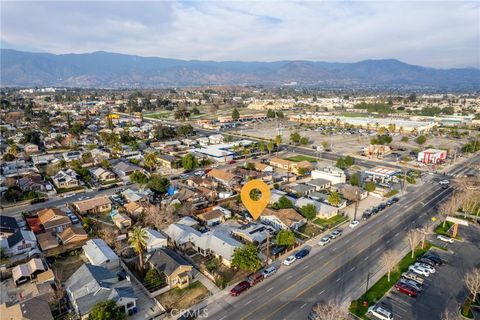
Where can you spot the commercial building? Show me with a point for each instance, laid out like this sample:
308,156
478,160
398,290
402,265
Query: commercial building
432,156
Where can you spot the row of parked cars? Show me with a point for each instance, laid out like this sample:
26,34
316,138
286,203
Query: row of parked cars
329,237
411,282
252,280
371,212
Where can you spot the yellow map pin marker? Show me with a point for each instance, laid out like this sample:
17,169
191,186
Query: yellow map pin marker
255,207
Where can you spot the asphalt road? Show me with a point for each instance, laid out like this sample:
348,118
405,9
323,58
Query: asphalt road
338,271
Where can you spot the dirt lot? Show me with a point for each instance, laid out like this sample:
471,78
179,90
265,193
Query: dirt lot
183,298
67,265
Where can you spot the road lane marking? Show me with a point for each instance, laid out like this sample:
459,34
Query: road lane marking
338,279
306,266
352,269
269,289
303,306
388,241
289,277
222,318
366,258
378,249
248,302
321,292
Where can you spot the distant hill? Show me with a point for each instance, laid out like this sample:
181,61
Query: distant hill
113,70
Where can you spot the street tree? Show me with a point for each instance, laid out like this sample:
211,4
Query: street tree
246,258
295,137
413,237
138,240
270,147
424,232
329,311
389,259
189,162
303,141
472,282
421,139
355,179
235,114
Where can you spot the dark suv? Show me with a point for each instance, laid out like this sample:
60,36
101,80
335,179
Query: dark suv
302,254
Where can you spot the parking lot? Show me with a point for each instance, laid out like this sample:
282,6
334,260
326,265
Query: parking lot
443,290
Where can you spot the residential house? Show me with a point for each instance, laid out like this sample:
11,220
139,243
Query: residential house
134,208
47,241
290,166
223,176
102,175
177,271
36,308
263,167
91,284
65,179
34,182
319,184
93,206
53,220
99,155
324,210
283,219
215,138
155,240
69,156
27,271
135,196
302,189
20,242
168,161
254,232
8,226
73,235
212,217
125,169
30,148
122,221
99,253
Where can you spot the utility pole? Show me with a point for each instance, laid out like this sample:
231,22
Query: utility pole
268,246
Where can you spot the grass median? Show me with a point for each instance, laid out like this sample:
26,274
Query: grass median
378,290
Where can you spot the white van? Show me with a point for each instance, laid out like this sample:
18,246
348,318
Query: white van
380,313
269,271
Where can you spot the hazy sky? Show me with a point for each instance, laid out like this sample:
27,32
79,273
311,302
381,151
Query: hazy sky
438,34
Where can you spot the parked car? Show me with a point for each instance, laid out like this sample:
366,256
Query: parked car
302,254
413,276
419,270
381,206
444,182
239,288
395,199
380,313
290,259
443,238
255,278
324,241
406,290
366,214
436,259
389,202
375,210
336,233
353,224
270,271
426,261
425,266
411,283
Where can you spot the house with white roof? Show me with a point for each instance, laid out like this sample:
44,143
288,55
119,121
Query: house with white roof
99,253
155,240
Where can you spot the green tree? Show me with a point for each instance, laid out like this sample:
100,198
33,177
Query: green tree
334,198
278,140
303,140
105,164
355,179
325,145
8,157
285,238
139,177
261,147
150,160
404,139
158,184
270,147
280,114
235,114
153,278
76,129
107,310
138,240
341,163
284,203
246,258
421,139
370,186
349,161
295,137
270,113
309,211
189,162
302,171
250,166
185,130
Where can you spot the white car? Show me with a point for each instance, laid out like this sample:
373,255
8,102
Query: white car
291,259
353,224
444,238
269,271
425,266
444,182
324,241
419,270
380,313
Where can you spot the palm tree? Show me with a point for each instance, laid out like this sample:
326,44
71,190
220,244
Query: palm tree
138,240
150,160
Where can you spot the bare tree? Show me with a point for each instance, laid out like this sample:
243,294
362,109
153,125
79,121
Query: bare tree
472,281
330,311
413,237
449,207
59,291
424,232
158,217
352,193
109,235
389,260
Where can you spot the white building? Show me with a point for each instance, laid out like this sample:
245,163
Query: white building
99,253
433,156
155,240
333,174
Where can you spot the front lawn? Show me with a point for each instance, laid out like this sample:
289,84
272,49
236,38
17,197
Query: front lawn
65,190
331,222
301,157
378,290
440,229
183,298
391,193
310,229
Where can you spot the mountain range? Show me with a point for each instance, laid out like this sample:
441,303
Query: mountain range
113,70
